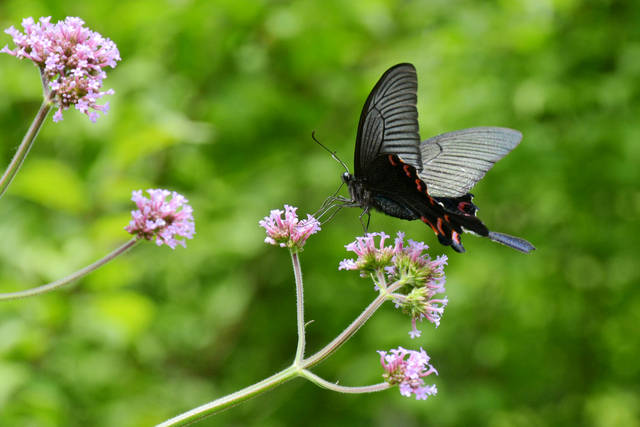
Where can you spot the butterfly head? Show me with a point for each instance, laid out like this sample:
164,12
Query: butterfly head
347,178
357,190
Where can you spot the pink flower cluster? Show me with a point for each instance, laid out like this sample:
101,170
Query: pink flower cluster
161,219
406,263
422,307
370,256
289,232
411,261
407,368
71,59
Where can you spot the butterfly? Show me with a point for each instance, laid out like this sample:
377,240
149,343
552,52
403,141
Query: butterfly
397,174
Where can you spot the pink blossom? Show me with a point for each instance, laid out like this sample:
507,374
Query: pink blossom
409,264
407,368
371,257
410,261
289,232
397,260
71,59
161,219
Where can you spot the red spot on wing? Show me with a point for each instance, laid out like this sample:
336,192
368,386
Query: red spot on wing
463,207
426,221
410,171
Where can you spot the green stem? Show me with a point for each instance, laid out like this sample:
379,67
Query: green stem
353,327
343,389
78,274
25,146
234,398
300,366
297,272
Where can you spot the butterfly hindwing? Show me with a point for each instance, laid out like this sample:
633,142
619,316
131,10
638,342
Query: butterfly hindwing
397,190
452,163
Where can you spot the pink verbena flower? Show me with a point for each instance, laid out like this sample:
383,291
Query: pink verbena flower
371,257
422,278
417,268
161,219
289,232
407,368
71,59
420,304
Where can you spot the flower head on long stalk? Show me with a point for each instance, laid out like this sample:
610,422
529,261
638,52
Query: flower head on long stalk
161,219
71,59
288,232
422,277
371,257
407,368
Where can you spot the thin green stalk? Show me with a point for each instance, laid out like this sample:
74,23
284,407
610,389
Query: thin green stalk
297,272
352,328
233,399
78,274
25,146
299,367
343,389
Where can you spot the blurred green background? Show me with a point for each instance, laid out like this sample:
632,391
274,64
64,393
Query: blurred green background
217,100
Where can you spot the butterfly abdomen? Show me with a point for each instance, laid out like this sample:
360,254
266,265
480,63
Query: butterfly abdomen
390,207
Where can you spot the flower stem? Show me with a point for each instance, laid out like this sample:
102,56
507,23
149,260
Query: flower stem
78,274
380,280
343,389
352,328
299,367
297,272
25,146
233,398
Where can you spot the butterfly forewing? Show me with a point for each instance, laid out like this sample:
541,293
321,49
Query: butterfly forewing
389,120
452,163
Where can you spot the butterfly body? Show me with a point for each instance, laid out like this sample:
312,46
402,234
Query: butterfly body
400,176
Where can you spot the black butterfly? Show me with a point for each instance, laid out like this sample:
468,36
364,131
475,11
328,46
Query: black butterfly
402,177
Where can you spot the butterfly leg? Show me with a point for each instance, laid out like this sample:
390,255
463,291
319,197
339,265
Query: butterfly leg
365,211
329,203
337,209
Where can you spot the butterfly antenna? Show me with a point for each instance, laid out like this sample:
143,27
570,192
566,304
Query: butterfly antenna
333,153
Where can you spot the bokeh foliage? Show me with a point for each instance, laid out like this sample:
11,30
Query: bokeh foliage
217,100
